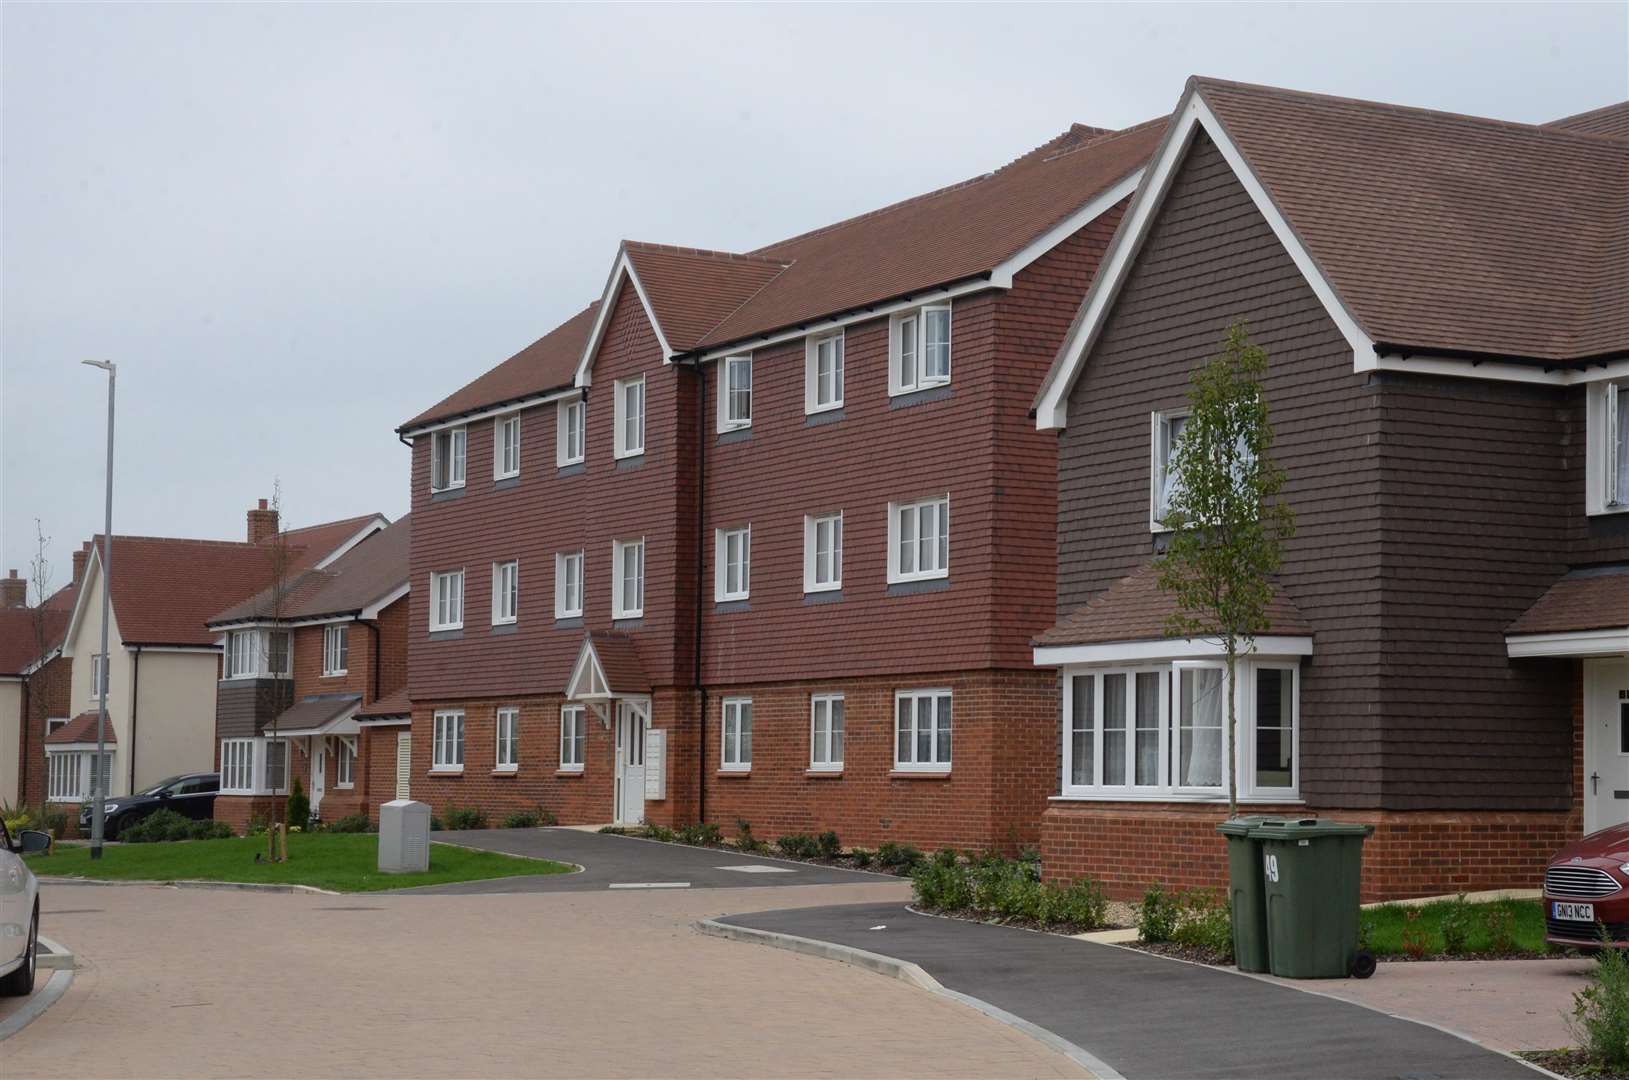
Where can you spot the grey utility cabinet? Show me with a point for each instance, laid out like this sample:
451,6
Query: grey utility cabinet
404,837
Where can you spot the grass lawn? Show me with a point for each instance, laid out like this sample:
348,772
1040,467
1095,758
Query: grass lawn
343,862
1385,926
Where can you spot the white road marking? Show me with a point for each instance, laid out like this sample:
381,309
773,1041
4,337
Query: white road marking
757,868
649,885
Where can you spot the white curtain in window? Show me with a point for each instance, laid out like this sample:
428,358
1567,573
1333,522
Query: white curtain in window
1199,734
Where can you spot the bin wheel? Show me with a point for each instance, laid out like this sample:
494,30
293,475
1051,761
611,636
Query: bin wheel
1362,964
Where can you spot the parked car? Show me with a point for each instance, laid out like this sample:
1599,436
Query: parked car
190,795
1586,887
19,911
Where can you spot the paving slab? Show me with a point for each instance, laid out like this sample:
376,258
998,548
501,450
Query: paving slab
1149,1016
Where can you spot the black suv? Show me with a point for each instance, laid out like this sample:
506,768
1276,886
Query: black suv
191,795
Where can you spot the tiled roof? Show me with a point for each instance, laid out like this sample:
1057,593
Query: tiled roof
1135,608
1447,232
368,572
1594,599
81,729
20,636
395,704
619,659
1611,121
692,291
314,712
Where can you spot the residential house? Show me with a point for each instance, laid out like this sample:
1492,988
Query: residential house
765,535
163,662
310,669
1444,302
33,682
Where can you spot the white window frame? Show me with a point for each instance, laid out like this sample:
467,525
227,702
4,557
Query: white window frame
68,774
568,584
908,350
238,761
345,763
98,669
447,741
573,738
812,389
724,575
1161,444
812,525
628,443
263,759
938,762
506,739
731,713
506,446
897,513
336,650
728,418
505,592
457,448
448,615
1603,436
822,756
570,431
621,608
257,643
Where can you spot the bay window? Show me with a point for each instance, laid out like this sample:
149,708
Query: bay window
68,775
257,766
255,654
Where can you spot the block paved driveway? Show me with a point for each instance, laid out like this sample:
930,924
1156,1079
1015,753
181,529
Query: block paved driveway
191,982
627,862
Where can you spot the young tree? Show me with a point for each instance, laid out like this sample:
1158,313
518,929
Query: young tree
1227,523
39,576
277,656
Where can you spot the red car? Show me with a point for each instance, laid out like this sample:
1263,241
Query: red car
1586,887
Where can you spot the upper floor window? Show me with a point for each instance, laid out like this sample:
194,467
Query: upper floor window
336,649
1167,429
573,737
919,539
568,584
826,731
98,671
1606,471
630,416
628,578
922,730
447,458
257,653
732,566
507,737
823,373
505,592
736,745
447,741
822,552
447,600
506,447
570,422
919,349
735,393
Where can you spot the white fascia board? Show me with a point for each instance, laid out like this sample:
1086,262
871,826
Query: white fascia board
372,610
1494,370
376,523
465,419
93,563
1192,115
1002,276
623,267
384,721
1110,652
42,661
1610,642
209,649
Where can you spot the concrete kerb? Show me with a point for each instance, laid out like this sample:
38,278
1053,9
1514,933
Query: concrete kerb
724,849
56,957
38,1002
576,868
911,973
252,886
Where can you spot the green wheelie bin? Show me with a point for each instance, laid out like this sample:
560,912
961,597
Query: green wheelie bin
1311,870
1247,892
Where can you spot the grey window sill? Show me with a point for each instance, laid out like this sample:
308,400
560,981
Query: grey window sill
826,416
825,596
725,607
506,483
573,469
920,397
575,622
447,495
911,588
627,624
624,464
734,436
506,628
446,635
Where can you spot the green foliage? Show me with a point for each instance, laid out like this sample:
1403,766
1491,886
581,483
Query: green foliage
17,817
861,857
210,830
299,804
1500,925
1491,928
465,817
1205,920
660,832
1600,1013
351,823
827,845
797,846
942,886
1157,915
167,825
994,886
546,818
1415,941
521,819
435,824
1455,927
701,834
744,840
898,858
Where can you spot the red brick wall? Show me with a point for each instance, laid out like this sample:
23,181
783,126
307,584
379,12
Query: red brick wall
47,692
308,676
239,811
392,627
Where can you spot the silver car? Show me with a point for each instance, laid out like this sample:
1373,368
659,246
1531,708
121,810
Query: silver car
19,911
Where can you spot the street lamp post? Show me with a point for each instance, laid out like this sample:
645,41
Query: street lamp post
100,773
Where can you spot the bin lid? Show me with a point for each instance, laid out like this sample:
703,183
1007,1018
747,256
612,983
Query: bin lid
1241,826
1307,828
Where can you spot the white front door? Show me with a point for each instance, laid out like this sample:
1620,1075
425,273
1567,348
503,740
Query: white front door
1606,743
319,775
632,717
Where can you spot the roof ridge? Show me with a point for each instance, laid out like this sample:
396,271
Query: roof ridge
749,298
706,253
1109,137
244,544
1597,111
325,524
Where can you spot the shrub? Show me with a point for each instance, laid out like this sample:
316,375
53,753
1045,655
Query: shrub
1157,915
744,840
546,818
521,819
861,857
797,846
1600,1013
942,885
299,803
1084,903
827,846
209,830
435,824
701,834
352,823
898,858
660,832
1205,920
1415,943
1500,923
17,817
465,817
161,825
1455,925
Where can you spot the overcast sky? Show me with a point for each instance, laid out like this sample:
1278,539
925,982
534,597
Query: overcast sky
293,227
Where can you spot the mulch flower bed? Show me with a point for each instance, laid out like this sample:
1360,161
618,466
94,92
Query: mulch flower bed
1197,954
1573,1063
990,918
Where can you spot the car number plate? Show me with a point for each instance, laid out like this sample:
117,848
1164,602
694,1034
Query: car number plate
1575,912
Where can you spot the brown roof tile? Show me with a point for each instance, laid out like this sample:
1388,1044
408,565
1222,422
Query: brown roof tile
1135,608
1611,121
314,712
1595,599
20,635
619,659
81,729
691,291
396,704
368,572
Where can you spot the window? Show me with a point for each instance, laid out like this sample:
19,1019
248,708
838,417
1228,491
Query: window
570,415
345,764
447,601
1160,730
823,373
54,722
1167,430
572,737
922,730
1606,470
568,585
735,393
98,669
732,566
238,765
505,592
276,765
919,539
628,578
260,766
447,741
241,659
826,735
507,735
505,447
252,654
336,649
447,458
68,775
630,417
919,349
737,742
822,552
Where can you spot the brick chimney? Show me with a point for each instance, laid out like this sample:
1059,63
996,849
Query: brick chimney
13,591
80,557
262,523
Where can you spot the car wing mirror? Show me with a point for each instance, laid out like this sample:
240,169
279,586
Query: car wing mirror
33,840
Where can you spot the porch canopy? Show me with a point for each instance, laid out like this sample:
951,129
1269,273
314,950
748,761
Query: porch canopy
332,714
1584,614
607,667
80,733
392,710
